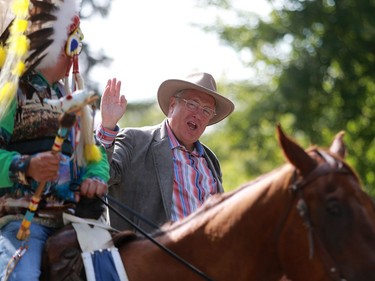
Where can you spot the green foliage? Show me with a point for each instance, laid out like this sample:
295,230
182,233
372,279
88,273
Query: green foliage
88,58
315,75
141,114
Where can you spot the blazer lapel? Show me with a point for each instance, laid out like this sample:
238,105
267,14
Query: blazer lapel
162,158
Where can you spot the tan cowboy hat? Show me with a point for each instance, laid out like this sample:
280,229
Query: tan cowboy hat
201,81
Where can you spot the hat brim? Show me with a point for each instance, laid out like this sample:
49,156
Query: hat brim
169,88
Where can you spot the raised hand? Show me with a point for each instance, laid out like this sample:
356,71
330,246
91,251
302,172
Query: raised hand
112,105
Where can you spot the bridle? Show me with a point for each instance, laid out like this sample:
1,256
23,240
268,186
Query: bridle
330,166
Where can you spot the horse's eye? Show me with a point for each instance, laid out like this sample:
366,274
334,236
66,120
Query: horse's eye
334,208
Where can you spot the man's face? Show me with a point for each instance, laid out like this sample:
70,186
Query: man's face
188,116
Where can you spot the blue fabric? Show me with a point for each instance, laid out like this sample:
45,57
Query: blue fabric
29,266
104,266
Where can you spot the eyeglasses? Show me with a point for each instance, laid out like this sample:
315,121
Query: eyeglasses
193,106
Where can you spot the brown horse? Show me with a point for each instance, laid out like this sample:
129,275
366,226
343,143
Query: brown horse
309,220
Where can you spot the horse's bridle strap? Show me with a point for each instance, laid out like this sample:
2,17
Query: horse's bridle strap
319,171
298,186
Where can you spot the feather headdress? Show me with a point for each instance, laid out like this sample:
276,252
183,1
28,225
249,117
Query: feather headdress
33,34
48,25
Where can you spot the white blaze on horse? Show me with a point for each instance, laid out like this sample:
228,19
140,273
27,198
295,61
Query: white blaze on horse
308,220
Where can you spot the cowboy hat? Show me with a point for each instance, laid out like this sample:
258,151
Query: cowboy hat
203,82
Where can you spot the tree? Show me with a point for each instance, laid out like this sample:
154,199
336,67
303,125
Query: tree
316,63
89,59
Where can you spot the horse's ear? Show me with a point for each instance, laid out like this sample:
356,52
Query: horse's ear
338,146
295,154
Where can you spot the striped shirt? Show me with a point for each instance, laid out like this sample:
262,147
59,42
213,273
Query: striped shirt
105,136
193,180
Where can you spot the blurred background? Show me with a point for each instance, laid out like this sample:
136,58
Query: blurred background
308,65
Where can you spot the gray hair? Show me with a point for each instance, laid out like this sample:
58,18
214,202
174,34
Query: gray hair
179,93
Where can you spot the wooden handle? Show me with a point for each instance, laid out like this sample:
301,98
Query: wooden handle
24,230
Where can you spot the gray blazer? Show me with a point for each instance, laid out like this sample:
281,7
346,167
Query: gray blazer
142,175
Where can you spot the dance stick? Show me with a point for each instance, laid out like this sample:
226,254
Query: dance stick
66,121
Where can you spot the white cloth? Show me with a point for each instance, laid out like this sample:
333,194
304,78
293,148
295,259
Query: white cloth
93,237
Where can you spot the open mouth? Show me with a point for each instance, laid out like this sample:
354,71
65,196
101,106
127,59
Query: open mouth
192,125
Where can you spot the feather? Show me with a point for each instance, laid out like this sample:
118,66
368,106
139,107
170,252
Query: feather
3,54
6,15
64,15
4,36
16,47
43,5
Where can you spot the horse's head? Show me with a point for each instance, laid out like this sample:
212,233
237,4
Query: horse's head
329,232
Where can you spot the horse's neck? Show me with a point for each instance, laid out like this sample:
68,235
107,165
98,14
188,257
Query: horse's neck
230,240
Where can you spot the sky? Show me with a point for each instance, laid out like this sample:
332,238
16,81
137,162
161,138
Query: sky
152,41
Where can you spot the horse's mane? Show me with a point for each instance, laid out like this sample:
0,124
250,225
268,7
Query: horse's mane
127,236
